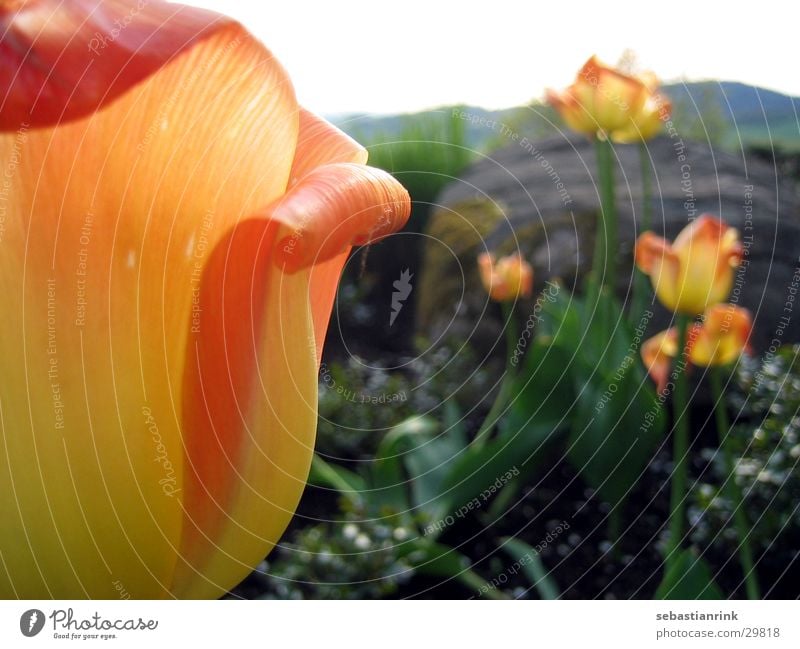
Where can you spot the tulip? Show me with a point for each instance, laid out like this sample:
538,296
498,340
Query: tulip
506,280
657,354
648,121
601,99
697,270
720,339
173,231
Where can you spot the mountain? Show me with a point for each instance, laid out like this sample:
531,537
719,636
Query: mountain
731,115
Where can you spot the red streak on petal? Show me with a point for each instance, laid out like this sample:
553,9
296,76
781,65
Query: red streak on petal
65,59
221,371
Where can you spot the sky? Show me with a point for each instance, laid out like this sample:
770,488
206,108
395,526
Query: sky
354,56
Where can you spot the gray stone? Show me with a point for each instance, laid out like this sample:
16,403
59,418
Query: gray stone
542,198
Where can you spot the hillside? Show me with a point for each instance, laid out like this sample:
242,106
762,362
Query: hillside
731,115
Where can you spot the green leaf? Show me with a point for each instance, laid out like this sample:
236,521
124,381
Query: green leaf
428,466
531,563
389,481
689,578
437,559
618,420
618,424
541,391
324,474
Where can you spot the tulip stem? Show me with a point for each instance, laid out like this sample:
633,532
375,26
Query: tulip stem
641,285
680,444
507,384
731,489
605,242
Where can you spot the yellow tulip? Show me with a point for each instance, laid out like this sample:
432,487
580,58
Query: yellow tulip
600,100
172,230
508,279
697,270
646,123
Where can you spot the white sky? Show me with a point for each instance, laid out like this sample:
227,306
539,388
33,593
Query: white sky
407,55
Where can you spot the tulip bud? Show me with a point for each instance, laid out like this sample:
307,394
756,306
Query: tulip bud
508,279
694,272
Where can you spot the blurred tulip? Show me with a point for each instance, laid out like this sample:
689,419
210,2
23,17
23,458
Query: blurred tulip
648,121
722,337
657,355
601,99
697,270
173,231
508,279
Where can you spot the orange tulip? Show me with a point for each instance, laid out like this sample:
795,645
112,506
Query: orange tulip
173,231
601,99
720,339
697,270
657,354
508,279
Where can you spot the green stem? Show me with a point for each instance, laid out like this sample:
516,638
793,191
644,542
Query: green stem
641,284
474,581
733,492
507,384
647,192
605,244
680,446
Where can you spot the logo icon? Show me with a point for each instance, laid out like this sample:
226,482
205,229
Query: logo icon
402,291
31,622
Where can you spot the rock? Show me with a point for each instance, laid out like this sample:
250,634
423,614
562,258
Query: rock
541,198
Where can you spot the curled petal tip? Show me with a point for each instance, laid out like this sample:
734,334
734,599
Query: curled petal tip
336,206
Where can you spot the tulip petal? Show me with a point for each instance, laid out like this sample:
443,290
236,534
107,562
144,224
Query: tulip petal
250,448
333,207
120,210
708,249
250,411
250,460
65,60
321,143
655,257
